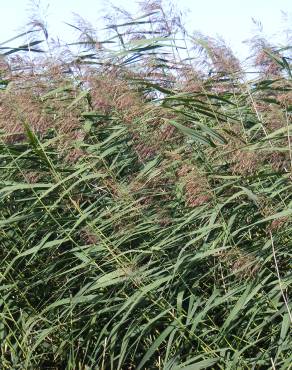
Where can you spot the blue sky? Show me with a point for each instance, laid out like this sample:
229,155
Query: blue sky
230,19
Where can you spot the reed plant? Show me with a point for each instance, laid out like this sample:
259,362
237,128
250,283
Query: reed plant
145,201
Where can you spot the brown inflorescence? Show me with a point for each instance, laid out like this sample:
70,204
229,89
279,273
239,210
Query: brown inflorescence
20,107
88,236
278,223
241,264
196,188
279,161
245,163
268,65
285,99
32,177
24,102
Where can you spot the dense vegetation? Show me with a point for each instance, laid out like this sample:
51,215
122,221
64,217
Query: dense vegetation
145,201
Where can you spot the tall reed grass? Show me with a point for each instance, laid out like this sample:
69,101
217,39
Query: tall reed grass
145,201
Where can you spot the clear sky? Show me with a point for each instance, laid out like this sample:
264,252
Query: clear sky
230,19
